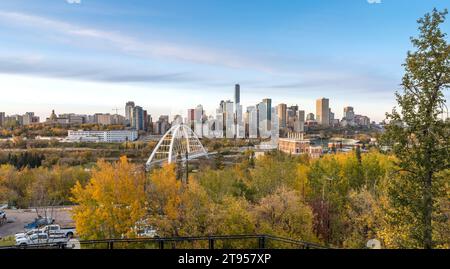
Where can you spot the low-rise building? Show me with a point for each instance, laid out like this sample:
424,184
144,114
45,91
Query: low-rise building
115,136
295,144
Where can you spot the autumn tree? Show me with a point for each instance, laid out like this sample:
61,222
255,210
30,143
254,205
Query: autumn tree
418,134
284,214
113,201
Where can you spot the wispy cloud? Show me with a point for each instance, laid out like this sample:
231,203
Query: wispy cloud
39,66
73,1
134,46
374,1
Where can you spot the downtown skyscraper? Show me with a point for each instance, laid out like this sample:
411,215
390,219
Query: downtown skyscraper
323,112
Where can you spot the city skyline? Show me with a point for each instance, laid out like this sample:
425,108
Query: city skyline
93,56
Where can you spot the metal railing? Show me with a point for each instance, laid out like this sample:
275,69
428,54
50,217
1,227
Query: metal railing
194,242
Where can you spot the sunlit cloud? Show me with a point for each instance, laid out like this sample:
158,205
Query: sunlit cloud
133,46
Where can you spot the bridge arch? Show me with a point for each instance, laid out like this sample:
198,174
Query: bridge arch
180,139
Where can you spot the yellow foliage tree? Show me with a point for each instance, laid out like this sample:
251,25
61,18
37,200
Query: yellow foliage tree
111,204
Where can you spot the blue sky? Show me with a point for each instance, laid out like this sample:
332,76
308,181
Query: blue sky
170,55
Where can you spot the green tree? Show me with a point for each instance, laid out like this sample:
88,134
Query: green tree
219,161
418,135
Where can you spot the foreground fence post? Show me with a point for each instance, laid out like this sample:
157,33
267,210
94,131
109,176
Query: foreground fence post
262,242
110,245
211,243
161,244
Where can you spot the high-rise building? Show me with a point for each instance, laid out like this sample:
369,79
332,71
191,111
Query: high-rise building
162,125
138,119
282,115
268,103
218,128
275,127
146,127
263,129
240,126
301,116
323,112
292,118
190,117
310,117
237,94
29,118
349,113
129,106
330,117
230,128
252,122
198,121
103,119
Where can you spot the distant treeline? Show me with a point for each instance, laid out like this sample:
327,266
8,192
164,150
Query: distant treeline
23,160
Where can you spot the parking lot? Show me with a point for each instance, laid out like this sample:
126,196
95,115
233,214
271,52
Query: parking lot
20,217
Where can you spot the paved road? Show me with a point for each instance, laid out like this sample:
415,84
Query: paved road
21,217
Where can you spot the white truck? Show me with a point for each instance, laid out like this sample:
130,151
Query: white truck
45,239
53,229
3,218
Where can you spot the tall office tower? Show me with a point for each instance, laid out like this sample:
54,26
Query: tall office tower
301,121
230,127
262,120
310,116
349,113
177,120
237,102
252,122
282,115
163,124
2,119
268,103
190,117
198,121
292,118
138,118
322,112
246,123
129,106
28,118
145,123
330,117
301,115
218,128
240,125
237,94
149,121
275,128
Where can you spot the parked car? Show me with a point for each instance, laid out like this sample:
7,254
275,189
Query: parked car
29,233
37,239
53,229
147,232
38,223
56,229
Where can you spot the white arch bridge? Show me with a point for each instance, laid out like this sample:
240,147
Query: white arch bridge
179,140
